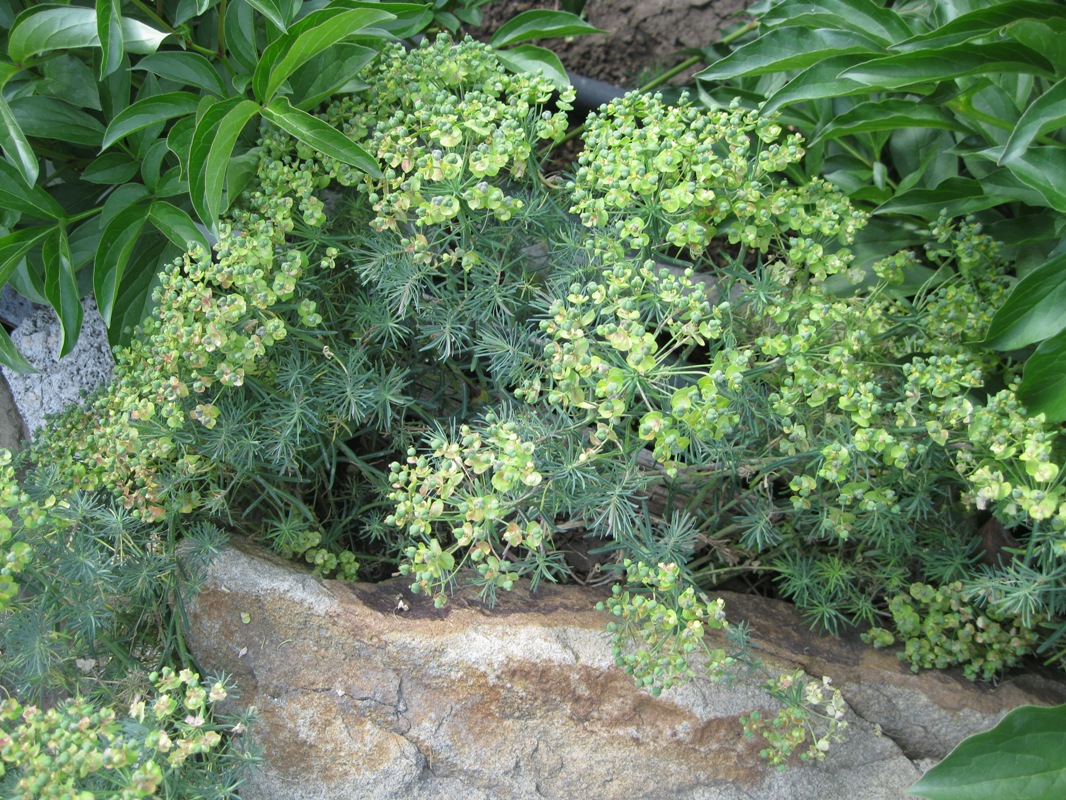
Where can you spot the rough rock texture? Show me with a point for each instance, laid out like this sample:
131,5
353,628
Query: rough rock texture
58,382
643,35
366,691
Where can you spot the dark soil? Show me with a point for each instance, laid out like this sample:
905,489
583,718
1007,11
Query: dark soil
645,37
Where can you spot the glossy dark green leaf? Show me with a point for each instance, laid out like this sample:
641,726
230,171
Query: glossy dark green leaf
51,118
818,81
1043,391
109,31
980,23
960,196
84,241
409,18
151,164
311,36
211,147
134,300
1047,112
947,63
14,247
122,198
115,90
789,48
117,245
1035,310
320,135
240,171
61,287
1040,168
70,79
535,60
187,9
273,10
110,169
190,69
888,115
540,24
1024,756
15,195
176,225
1047,37
240,34
11,358
179,139
861,16
17,150
329,73
44,28
149,111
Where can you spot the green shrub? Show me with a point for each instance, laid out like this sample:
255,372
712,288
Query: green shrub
939,629
470,369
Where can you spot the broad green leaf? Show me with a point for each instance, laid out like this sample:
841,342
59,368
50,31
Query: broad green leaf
212,144
240,34
274,11
109,30
149,111
179,139
1035,310
122,198
17,149
134,299
1047,112
888,115
328,73
117,244
84,242
115,90
981,22
1043,390
1047,37
110,169
789,48
922,157
11,358
187,9
176,225
240,171
320,135
15,195
312,35
536,60
946,63
818,81
51,118
960,196
44,28
410,18
14,247
539,24
1040,168
152,164
1021,758
860,16
70,79
61,287
190,69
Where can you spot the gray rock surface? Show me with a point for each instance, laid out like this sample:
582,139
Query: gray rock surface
365,691
58,383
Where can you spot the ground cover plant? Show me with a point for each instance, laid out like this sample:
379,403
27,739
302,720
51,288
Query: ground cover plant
459,367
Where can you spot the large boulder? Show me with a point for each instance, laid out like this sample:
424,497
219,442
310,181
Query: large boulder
365,691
